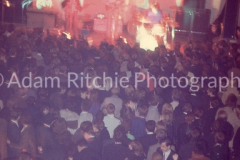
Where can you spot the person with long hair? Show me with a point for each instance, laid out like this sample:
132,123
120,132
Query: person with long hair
232,118
137,150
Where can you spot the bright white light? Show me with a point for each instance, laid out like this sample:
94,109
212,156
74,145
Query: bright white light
44,3
141,32
8,4
68,35
147,41
158,30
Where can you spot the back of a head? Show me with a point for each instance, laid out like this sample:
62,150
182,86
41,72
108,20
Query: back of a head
195,134
119,134
219,137
115,90
200,147
189,118
167,108
157,156
99,124
86,104
127,113
187,108
86,127
168,118
150,125
231,100
222,115
59,126
153,100
128,100
110,108
176,94
160,134
137,148
215,103
143,110
99,116
160,125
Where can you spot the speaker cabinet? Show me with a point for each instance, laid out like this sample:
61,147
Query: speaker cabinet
230,18
201,20
184,18
193,20
194,4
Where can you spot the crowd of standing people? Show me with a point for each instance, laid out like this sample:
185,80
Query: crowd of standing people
143,122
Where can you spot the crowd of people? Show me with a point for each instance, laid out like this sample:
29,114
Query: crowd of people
143,122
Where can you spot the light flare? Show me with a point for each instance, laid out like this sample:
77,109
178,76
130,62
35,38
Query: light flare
8,4
68,35
147,41
44,3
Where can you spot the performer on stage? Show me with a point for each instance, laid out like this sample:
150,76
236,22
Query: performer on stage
71,12
113,8
154,15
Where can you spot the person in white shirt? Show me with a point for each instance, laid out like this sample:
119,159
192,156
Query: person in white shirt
109,120
115,100
85,115
69,115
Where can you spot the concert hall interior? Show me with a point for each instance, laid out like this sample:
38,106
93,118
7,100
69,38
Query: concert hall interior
120,80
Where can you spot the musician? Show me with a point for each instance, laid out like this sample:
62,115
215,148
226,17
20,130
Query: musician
71,12
154,15
113,14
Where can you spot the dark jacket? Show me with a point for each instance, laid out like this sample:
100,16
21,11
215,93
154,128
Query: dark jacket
115,152
236,142
14,136
51,149
220,152
45,138
209,118
183,132
135,157
138,127
3,138
27,142
185,150
147,141
95,145
87,154
14,132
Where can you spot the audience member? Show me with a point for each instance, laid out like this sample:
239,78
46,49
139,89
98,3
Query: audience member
109,120
150,138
